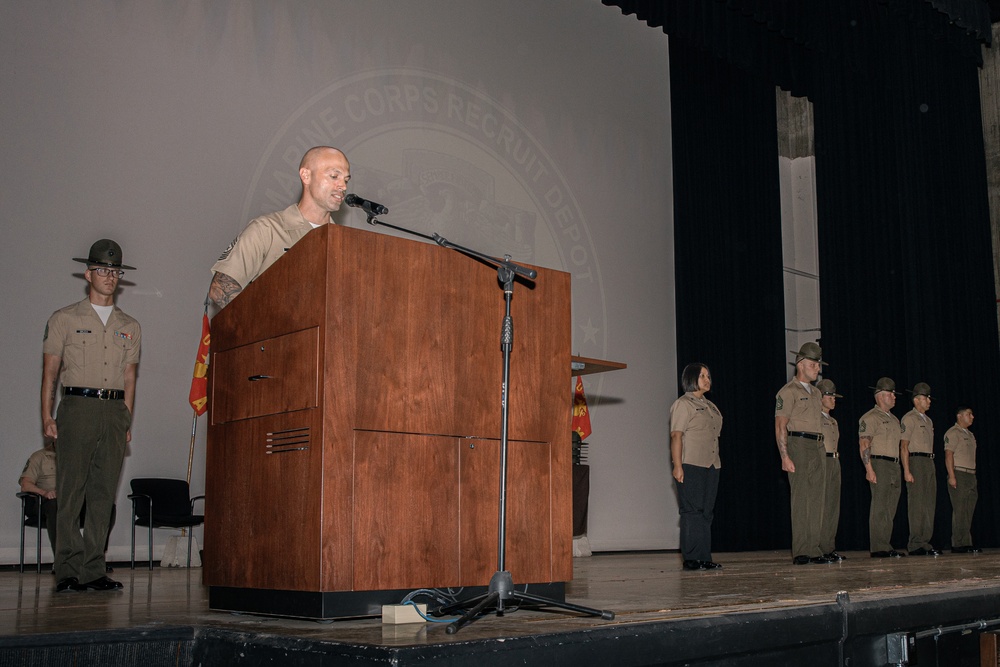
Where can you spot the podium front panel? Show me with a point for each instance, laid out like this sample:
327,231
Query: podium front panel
389,493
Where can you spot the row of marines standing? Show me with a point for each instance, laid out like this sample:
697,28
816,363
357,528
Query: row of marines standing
808,436
891,450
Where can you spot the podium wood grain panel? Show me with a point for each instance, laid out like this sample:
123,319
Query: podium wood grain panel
529,511
264,530
406,522
268,377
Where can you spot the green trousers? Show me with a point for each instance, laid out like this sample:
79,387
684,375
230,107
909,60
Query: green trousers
808,486
963,504
885,500
921,499
831,506
91,449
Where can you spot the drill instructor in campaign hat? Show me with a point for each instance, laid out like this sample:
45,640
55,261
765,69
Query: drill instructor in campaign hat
798,431
879,434
92,348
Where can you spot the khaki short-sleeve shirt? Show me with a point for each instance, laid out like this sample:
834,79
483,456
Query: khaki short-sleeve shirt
831,433
93,354
41,469
803,407
701,422
963,444
262,243
884,430
919,430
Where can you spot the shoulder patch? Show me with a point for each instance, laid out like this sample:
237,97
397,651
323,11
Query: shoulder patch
45,336
862,427
225,253
780,404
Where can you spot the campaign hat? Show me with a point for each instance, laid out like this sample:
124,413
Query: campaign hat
105,252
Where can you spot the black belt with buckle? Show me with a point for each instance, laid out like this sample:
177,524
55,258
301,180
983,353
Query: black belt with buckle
805,434
103,394
833,455
929,455
894,459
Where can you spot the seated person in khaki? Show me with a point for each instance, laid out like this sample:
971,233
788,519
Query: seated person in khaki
39,477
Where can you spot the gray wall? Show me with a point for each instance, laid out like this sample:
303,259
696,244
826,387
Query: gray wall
537,129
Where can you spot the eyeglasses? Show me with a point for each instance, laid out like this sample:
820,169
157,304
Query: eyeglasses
104,273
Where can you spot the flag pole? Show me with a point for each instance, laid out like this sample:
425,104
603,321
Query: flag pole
194,417
194,429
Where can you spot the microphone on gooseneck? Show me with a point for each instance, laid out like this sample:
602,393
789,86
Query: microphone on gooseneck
368,206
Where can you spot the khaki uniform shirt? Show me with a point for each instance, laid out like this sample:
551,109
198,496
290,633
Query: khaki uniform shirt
919,430
802,407
41,469
700,422
963,444
831,433
884,430
93,354
262,243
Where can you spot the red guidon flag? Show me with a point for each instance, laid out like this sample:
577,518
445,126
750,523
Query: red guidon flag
581,415
199,383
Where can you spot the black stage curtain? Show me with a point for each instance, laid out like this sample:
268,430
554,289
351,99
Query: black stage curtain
905,253
906,264
730,303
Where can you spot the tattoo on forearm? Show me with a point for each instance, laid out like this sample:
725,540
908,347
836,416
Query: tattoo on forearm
783,449
223,290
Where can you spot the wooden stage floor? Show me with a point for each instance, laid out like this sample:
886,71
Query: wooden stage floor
641,588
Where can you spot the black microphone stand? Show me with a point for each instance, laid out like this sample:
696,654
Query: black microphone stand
501,588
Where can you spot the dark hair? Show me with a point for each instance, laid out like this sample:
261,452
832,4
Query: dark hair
960,409
689,377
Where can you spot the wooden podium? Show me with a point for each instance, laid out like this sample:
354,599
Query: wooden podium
354,429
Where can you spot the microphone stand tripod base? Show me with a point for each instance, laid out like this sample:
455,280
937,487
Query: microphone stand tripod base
501,590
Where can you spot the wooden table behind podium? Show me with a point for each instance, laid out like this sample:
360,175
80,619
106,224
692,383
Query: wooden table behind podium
353,442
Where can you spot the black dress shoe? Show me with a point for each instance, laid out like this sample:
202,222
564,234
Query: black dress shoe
801,560
821,559
102,584
880,554
69,584
919,552
969,549
694,565
833,555
710,565
931,552
896,554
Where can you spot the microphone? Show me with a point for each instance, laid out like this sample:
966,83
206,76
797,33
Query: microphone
368,206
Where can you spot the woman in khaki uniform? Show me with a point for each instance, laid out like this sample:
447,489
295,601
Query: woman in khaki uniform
695,424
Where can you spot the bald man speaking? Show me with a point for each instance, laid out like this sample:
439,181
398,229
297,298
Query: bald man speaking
324,172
